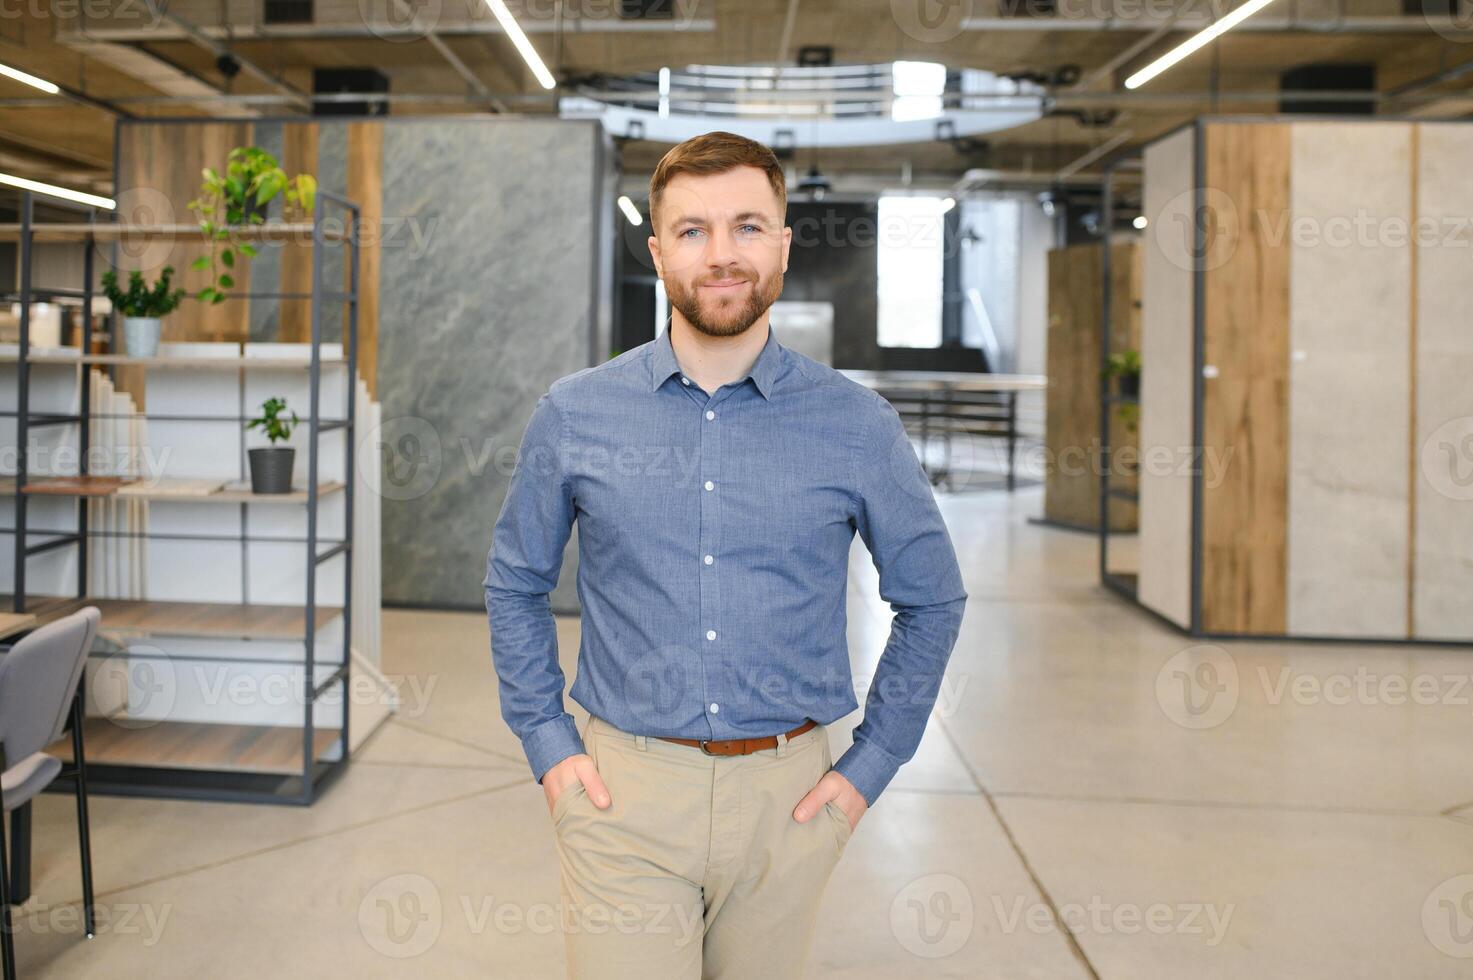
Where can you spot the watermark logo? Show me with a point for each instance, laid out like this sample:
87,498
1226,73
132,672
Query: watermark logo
1198,233
1456,25
657,680
933,916
1198,687
400,458
1447,458
400,21
401,916
930,21
147,253
135,687
1102,918
1447,917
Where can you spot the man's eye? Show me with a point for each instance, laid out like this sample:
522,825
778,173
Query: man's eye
688,231
752,227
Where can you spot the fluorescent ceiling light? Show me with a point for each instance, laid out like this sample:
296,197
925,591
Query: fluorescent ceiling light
29,79
36,187
1197,41
524,47
630,211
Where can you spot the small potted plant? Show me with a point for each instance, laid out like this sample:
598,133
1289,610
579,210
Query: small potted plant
142,308
1125,365
271,466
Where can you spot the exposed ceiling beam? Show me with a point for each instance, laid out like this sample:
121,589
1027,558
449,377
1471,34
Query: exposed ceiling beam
1446,27
180,87
452,59
160,11
356,27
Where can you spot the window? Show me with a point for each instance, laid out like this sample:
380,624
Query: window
909,271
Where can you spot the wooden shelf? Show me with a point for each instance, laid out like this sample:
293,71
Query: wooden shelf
208,363
224,620
71,486
194,745
112,232
129,489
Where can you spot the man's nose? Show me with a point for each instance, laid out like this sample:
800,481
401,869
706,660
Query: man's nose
719,248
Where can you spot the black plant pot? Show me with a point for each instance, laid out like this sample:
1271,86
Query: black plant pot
271,469
1130,385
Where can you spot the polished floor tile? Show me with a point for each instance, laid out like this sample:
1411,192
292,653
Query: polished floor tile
1096,796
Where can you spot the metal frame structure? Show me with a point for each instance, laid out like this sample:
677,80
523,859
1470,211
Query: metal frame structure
992,414
1108,400
223,785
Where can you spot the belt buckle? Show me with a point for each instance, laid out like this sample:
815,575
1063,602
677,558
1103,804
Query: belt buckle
706,750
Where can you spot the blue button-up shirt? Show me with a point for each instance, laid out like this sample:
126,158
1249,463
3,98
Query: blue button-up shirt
713,538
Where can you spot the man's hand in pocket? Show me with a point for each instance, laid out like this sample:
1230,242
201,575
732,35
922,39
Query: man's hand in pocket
574,769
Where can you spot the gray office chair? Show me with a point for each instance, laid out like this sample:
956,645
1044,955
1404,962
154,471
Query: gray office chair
39,677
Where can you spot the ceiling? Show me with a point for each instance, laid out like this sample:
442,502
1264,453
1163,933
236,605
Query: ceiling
153,58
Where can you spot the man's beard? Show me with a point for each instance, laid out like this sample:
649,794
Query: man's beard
730,315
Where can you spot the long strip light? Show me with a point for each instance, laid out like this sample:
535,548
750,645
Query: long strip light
29,79
65,193
1196,42
524,47
631,213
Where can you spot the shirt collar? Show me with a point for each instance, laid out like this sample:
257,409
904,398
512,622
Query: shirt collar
763,374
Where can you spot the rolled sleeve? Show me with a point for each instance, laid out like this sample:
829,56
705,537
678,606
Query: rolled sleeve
896,515
522,567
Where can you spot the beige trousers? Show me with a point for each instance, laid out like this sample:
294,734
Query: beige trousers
697,869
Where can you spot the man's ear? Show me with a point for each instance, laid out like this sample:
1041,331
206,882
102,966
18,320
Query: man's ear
654,244
787,245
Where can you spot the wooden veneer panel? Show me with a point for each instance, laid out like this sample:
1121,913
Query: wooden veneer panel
1245,417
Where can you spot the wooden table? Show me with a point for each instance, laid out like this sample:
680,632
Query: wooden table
12,623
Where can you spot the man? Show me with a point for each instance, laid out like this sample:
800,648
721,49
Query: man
717,479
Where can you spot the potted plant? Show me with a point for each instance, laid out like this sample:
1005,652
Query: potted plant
271,466
238,198
1125,365
142,308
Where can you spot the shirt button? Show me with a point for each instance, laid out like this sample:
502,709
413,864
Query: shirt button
684,380
710,414
710,485
709,559
715,707
710,634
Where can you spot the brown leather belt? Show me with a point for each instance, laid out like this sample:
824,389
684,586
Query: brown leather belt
738,746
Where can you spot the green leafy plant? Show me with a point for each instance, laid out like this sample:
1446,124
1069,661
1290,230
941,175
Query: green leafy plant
237,198
1126,365
139,299
1129,414
271,422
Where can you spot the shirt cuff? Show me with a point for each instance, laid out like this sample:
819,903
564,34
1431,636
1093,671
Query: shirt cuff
550,743
868,767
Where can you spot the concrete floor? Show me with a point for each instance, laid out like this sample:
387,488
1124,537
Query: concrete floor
1303,833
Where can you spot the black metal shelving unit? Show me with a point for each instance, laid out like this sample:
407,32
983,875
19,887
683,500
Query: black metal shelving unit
234,785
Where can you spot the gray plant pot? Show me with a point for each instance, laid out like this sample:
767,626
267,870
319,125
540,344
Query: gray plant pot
271,468
141,335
